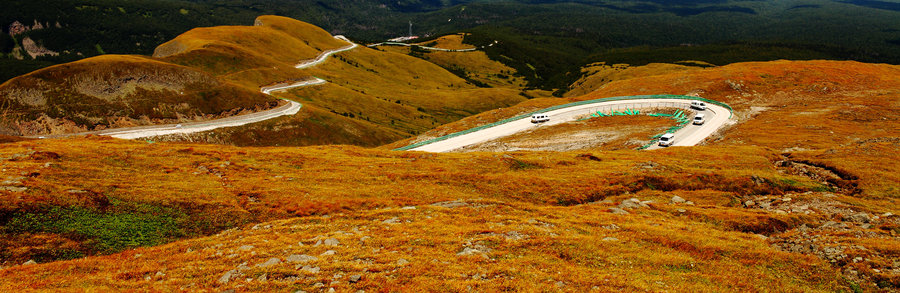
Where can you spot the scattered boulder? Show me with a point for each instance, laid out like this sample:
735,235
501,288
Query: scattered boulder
328,252
331,242
618,211
610,239
402,262
861,218
408,208
302,258
271,262
311,269
227,276
29,262
677,199
393,220
246,247
355,278
632,203
451,204
611,227
468,251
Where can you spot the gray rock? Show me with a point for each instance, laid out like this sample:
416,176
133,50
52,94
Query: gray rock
749,203
13,188
618,211
331,242
355,278
611,227
393,220
246,247
408,208
29,262
311,270
610,239
631,203
681,210
262,278
227,276
451,204
861,218
302,258
328,252
402,262
677,199
514,235
271,262
468,251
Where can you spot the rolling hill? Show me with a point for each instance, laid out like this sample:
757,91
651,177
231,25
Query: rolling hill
372,97
118,91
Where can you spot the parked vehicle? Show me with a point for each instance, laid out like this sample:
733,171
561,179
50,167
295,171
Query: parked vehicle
539,118
666,140
699,119
698,105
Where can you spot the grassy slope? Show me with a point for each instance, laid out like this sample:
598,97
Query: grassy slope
829,102
210,188
374,97
706,246
115,91
473,65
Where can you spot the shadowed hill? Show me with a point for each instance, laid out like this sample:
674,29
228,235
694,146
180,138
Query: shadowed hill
112,91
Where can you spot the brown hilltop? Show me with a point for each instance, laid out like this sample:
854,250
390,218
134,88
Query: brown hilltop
116,91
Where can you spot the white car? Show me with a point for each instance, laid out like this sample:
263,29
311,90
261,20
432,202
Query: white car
666,140
699,119
698,105
538,118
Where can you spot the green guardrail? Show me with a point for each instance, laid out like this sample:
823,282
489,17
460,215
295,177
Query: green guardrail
573,104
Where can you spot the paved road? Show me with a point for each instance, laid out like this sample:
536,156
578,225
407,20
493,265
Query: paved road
687,136
324,55
290,108
423,47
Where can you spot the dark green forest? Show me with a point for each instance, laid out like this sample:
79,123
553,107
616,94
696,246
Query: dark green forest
545,40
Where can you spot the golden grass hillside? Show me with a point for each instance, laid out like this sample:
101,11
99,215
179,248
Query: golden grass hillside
372,97
598,74
473,65
353,218
112,91
786,105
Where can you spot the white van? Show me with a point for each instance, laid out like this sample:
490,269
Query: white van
666,140
538,118
698,105
699,119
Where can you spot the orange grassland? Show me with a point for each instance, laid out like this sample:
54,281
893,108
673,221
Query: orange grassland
406,221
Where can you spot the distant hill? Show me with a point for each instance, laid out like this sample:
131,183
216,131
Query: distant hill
112,91
547,41
371,98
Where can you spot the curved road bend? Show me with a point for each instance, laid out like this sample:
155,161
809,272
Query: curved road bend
290,108
687,136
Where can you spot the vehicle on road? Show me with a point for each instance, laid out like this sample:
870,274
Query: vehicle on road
698,105
667,139
699,119
539,118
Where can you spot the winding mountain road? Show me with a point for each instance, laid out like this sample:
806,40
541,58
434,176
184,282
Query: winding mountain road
290,108
688,136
